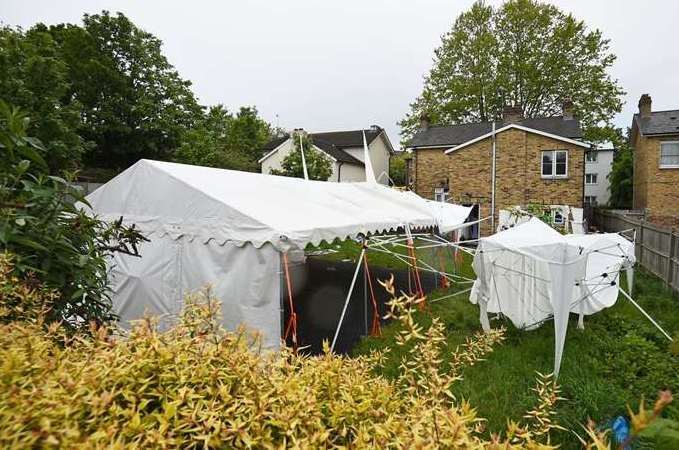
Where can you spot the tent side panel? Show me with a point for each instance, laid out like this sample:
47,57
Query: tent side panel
245,279
148,285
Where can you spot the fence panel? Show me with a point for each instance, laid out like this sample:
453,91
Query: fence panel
657,249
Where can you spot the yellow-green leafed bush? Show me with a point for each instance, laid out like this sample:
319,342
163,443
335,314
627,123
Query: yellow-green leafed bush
197,386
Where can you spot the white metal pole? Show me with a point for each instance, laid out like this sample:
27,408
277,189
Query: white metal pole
492,186
301,149
646,314
346,302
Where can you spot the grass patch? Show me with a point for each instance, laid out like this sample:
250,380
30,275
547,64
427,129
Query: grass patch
618,359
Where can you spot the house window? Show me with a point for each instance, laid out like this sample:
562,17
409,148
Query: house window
440,194
558,218
669,154
555,164
591,178
590,200
591,156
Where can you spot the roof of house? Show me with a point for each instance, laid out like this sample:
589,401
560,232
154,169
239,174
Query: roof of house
451,135
660,122
336,152
333,143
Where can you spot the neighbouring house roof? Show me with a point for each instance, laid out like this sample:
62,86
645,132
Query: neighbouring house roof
337,153
333,143
523,128
659,122
454,135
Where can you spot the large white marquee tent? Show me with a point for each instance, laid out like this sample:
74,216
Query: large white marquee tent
229,229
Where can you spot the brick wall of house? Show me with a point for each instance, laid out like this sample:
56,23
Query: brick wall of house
656,190
518,176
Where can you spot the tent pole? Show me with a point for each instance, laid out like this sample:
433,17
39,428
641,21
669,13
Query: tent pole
301,149
346,302
646,315
492,186
365,301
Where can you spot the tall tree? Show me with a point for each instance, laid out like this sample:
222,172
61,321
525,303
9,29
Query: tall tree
135,104
525,54
33,75
621,177
223,140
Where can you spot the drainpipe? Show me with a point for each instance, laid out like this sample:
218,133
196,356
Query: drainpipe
339,171
492,185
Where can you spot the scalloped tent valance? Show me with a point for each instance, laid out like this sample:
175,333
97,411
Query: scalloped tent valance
204,203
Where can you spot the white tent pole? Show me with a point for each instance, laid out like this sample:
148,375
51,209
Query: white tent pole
369,172
301,149
646,314
346,302
492,186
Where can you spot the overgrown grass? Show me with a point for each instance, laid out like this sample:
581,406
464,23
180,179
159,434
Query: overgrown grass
618,358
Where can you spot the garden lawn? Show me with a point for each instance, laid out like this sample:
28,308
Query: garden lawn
615,361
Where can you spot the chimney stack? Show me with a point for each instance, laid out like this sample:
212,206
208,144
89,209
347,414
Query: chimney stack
567,109
424,121
512,114
645,106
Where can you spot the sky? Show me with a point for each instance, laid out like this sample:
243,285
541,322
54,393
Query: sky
348,64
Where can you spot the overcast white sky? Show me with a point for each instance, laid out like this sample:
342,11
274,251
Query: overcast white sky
340,64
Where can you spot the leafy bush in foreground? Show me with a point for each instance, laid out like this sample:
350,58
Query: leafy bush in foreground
53,240
198,386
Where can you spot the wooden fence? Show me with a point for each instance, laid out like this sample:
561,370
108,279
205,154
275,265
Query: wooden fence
657,249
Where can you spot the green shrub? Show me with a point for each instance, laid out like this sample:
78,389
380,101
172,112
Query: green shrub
54,241
198,386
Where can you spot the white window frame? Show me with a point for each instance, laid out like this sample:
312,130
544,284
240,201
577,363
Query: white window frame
596,178
591,203
440,194
591,153
666,166
553,174
554,214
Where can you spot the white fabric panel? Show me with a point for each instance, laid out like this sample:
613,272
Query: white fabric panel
607,255
531,272
244,279
240,207
148,285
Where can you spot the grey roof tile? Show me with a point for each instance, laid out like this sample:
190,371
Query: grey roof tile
458,134
660,122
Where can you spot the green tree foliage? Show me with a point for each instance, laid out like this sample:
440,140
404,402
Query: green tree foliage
621,177
54,241
319,166
397,168
33,75
524,53
223,140
135,104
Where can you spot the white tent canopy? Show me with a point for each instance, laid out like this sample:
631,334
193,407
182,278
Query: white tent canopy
531,272
239,207
227,228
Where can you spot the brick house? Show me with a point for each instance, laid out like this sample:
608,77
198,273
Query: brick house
539,160
655,140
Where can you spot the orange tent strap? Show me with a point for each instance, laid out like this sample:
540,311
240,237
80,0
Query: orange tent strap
291,327
375,329
444,280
